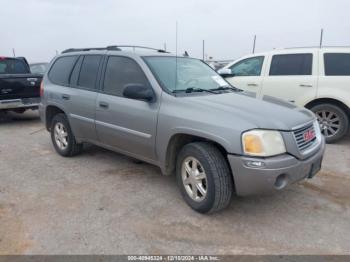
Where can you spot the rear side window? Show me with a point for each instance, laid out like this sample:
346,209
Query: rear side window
120,72
61,70
291,64
89,71
337,64
13,66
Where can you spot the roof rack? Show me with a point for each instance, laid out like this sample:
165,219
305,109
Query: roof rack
113,48
136,46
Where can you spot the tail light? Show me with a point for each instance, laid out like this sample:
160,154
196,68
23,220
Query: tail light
41,88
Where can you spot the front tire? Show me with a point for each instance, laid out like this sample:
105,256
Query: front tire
334,122
204,177
62,137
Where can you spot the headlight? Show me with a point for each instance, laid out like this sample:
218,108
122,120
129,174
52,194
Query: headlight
263,143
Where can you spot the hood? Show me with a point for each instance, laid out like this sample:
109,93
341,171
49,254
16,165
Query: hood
266,112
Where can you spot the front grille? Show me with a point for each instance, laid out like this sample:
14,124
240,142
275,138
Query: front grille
300,138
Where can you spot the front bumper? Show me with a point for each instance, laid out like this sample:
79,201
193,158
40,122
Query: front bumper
20,103
274,173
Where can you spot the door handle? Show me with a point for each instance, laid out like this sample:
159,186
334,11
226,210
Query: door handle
103,105
305,85
65,97
252,84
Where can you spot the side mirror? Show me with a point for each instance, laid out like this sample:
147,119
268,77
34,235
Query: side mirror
138,92
225,72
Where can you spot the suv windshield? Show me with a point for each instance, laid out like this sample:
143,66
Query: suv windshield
191,74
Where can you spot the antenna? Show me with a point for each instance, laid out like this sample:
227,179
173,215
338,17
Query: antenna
203,50
321,38
176,57
14,53
254,42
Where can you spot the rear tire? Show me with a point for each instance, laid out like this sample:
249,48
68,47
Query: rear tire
202,167
334,122
62,137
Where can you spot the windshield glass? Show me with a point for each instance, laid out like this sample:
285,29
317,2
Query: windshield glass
190,73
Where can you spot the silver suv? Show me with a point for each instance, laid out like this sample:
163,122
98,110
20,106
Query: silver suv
179,114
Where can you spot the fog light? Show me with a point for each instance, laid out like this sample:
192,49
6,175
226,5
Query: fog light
254,164
281,181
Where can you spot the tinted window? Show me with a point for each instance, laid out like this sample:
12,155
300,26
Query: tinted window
13,66
248,67
295,64
336,64
60,71
120,72
88,71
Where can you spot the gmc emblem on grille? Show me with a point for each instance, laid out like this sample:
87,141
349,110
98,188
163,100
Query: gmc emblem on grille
309,135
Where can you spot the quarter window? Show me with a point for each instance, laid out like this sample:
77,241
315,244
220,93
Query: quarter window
120,72
291,64
61,69
89,71
337,64
248,67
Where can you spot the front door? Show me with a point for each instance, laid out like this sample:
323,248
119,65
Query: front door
247,74
128,125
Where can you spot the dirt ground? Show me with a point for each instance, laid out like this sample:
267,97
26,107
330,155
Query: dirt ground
101,202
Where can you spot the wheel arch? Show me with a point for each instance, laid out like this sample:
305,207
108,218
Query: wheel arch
50,112
332,101
177,141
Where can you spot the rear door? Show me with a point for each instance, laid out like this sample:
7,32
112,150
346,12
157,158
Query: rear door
292,76
16,81
248,73
127,125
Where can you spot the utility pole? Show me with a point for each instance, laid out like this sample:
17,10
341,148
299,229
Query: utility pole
321,38
14,53
176,41
254,42
203,50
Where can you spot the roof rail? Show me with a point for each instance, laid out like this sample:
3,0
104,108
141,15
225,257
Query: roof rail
87,49
112,47
136,46
324,46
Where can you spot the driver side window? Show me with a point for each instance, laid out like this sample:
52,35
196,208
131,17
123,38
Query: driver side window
248,67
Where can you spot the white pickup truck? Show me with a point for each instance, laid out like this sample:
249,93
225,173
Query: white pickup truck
316,78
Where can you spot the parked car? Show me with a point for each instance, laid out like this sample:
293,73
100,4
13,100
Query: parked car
179,114
19,88
316,78
38,68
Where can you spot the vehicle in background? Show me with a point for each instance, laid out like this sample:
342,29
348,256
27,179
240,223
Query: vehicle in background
179,114
316,78
38,68
217,64
19,88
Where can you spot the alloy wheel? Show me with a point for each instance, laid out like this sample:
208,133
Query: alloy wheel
61,136
194,179
329,122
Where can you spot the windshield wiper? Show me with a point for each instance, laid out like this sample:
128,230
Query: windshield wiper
192,90
223,88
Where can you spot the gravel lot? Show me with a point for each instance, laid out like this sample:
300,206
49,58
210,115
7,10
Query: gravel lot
101,202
